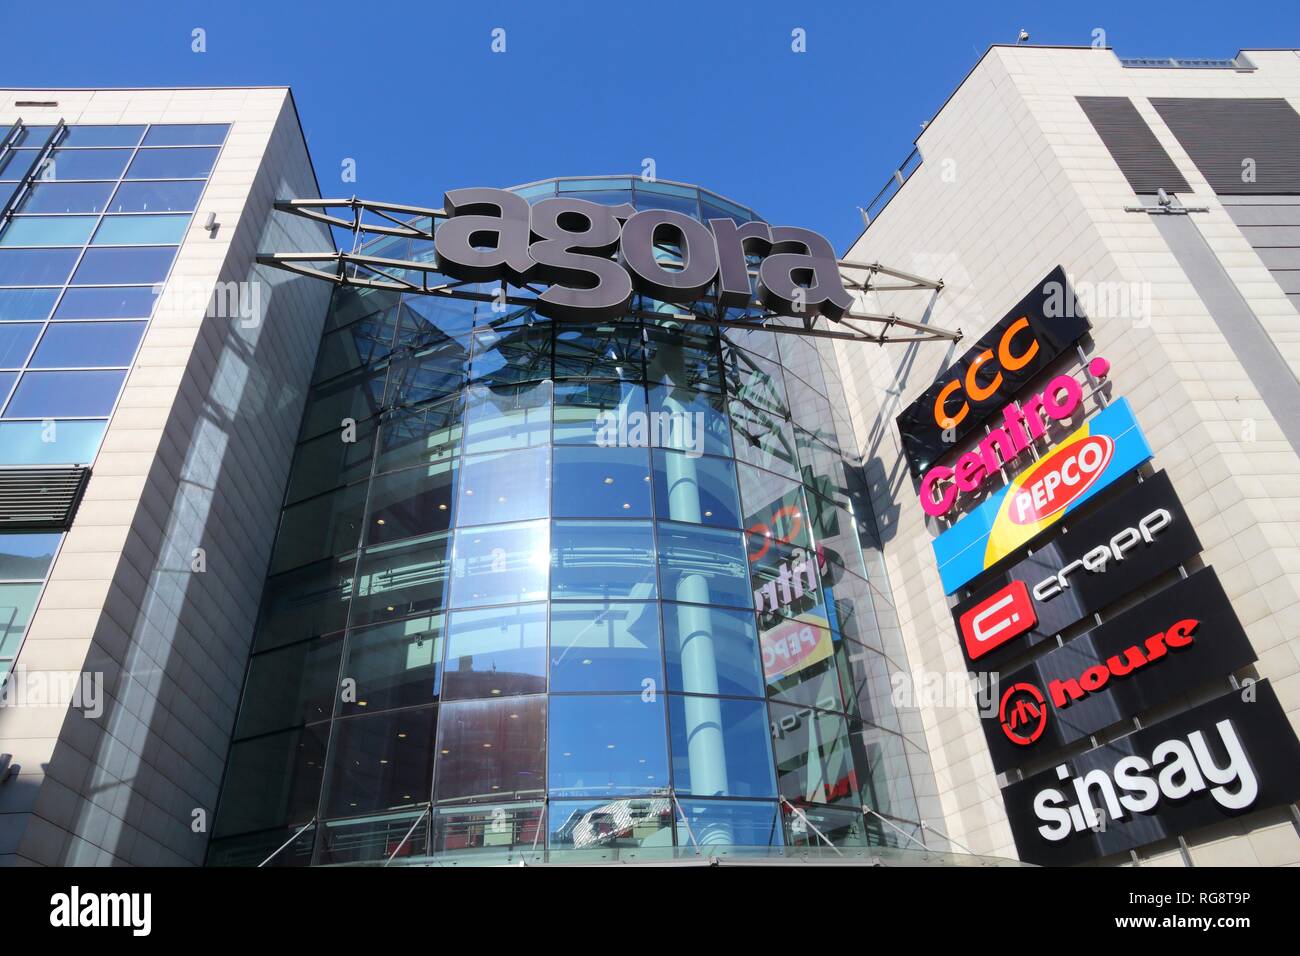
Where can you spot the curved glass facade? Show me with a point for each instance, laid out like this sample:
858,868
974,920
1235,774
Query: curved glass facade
569,592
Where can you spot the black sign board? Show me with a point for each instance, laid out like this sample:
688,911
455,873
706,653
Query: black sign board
1232,755
1130,538
1030,337
1169,644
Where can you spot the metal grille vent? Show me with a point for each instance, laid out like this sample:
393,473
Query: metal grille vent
40,498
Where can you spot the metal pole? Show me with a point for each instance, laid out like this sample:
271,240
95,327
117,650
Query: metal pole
399,846
803,816
310,823
891,825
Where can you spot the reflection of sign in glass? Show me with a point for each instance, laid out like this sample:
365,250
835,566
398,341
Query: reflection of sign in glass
793,645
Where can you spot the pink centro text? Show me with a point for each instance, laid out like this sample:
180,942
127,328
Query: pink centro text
1022,426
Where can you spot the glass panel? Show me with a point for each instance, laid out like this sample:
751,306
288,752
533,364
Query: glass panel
505,486
401,580
775,515
607,745
814,759
605,647
327,462
703,565
357,396
868,683
319,527
501,564
607,414
194,134
36,266
50,442
406,503
107,303
27,557
360,343
513,417
17,602
688,421
419,436
66,164
884,778
16,341
305,603
172,164
141,230
47,231
141,265
253,849
290,686
841,827
272,781
602,559
695,489
728,823
51,394
71,344
491,750
492,828
626,823
611,351
430,376
756,382
65,197
398,664
721,747
763,440
26,305
380,762
374,839
503,357
499,652
711,651
685,358
156,197
601,482
799,659
102,136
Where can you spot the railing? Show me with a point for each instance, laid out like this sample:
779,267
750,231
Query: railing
901,175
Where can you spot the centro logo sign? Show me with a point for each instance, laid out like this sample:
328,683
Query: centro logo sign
594,257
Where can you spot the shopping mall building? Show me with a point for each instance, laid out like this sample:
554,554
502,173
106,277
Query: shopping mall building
602,520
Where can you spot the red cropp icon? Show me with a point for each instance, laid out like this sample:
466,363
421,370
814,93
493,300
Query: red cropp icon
1005,614
1023,713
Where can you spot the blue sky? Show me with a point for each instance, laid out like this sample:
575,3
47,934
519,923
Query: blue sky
709,89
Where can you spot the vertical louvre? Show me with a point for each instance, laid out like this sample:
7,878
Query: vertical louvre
1233,140
1132,145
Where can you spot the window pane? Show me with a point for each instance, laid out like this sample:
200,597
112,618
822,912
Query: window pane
358,396
36,266
319,527
491,828
288,687
603,559
47,231
360,343
380,762
419,436
398,664
721,747
52,394
491,750
374,839
814,757
600,413
156,197
775,515
799,658
512,417
305,603
26,305
17,602
843,827
26,557
71,344
66,197
605,647
600,351
272,781
16,340
37,443
601,482
206,134
688,358
327,462
102,136
501,564
711,651
695,489
142,265
505,486
107,303
172,164
606,745
728,823
400,580
66,164
499,652
627,823
761,439
411,502
688,420
141,230
703,566
432,375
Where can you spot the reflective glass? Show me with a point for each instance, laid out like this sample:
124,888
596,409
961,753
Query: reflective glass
327,462
359,343
47,231
685,358
606,745
491,828
400,580
17,602
26,557
700,490
398,664
720,747
125,302
763,440
180,134
688,420
594,482
26,305
728,823
431,375
505,486
608,414
497,652
774,512
843,827
54,394
139,265
419,436
102,136
65,198
16,341
88,344
49,442
711,651
703,565
815,763
501,564
504,357
156,197
884,778
36,266
141,230
411,502
799,659
610,560
68,164
491,750
305,603
612,351
357,395
623,822
509,417
380,762
374,839
272,781
290,686
172,164
319,527
606,646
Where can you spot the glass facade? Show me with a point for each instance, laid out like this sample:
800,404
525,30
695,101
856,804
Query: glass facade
568,591
85,250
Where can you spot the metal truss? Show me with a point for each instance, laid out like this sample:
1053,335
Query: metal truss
366,221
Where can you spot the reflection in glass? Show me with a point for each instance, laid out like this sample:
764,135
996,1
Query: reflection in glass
290,686
401,580
501,563
606,647
700,490
815,762
398,664
491,828
711,650
728,823
272,781
720,747
491,750
703,566
619,823
415,501
594,482
607,745
497,419
374,839
505,486
602,559
380,762
609,414
497,652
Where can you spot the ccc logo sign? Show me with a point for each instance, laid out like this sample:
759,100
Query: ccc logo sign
1008,358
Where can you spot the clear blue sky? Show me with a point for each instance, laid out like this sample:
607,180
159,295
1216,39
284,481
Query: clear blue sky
710,88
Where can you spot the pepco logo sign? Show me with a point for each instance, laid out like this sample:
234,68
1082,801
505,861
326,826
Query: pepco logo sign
1006,614
1062,477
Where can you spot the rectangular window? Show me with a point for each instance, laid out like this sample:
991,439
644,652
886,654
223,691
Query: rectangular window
142,265
26,305
66,198
27,557
36,266
48,231
141,230
156,197
172,164
93,302
65,394
194,134
65,165
49,443
88,345
81,136
496,652
16,340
